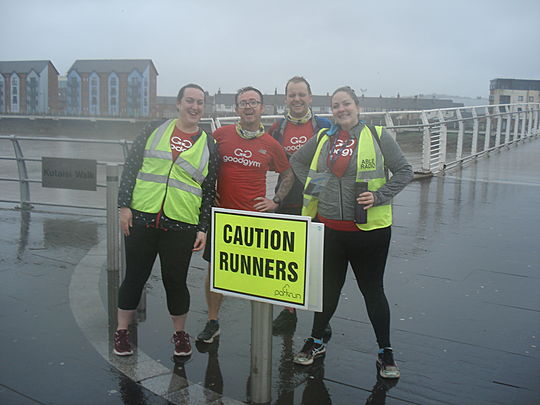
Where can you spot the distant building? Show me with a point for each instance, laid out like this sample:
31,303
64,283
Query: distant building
512,91
122,87
223,104
275,104
28,87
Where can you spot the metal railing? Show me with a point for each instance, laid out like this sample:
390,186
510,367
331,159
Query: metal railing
433,141
26,177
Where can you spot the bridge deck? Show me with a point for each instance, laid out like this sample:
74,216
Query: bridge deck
463,278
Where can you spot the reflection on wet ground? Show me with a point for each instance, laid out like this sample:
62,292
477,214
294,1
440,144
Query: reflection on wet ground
462,279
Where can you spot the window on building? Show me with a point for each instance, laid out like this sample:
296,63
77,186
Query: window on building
114,93
520,98
504,99
530,98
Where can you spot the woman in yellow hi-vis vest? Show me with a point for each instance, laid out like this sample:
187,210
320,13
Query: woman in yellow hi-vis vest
165,197
347,187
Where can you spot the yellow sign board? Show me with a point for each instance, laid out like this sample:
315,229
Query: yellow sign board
260,256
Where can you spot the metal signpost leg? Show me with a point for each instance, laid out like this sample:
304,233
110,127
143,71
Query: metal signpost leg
261,352
113,245
113,226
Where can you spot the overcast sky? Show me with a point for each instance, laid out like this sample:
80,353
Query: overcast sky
388,46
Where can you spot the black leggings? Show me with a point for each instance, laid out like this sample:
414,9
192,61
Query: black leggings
366,252
174,249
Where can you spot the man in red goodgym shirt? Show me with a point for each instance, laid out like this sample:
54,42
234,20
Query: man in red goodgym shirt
246,153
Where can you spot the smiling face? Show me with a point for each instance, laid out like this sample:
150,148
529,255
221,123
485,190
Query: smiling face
298,99
190,107
345,110
250,117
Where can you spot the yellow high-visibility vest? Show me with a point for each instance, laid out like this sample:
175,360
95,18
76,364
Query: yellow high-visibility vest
174,186
369,168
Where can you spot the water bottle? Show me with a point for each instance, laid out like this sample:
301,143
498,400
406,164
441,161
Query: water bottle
360,214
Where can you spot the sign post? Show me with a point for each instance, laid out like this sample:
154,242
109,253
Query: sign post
269,259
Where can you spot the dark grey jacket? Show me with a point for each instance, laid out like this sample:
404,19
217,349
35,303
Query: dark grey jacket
337,200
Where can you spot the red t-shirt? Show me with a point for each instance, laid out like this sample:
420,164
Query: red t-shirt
180,141
243,167
341,150
295,136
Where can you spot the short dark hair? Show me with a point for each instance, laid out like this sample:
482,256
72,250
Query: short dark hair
350,91
246,89
188,86
298,79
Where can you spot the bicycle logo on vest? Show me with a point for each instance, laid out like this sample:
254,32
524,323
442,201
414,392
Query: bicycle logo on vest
344,148
296,143
180,144
242,157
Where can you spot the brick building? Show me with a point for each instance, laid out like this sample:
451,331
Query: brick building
123,87
28,87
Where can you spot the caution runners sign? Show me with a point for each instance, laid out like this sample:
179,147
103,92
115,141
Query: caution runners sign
260,256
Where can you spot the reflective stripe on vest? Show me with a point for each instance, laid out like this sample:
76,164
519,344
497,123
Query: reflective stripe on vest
175,186
369,167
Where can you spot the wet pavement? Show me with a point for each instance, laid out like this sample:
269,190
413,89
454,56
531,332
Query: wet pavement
463,281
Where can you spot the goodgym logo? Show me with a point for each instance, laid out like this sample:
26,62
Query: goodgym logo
296,143
180,144
242,157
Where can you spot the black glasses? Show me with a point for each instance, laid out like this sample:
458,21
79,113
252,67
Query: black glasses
250,103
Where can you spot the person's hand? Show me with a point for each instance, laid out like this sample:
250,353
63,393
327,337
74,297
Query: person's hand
126,220
366,199
200,241
265,205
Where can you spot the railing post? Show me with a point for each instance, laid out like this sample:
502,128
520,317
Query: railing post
530,120
426,144
24,186
524,124
508,118
443,137
474,146
125,148
516,127
461,131
487,134
537,119
499,128
261,352
389,123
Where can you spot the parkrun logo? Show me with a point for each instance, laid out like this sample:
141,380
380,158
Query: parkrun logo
242,157
180,144
284,292
296,143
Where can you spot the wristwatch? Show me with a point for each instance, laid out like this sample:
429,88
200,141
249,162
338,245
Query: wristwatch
276,199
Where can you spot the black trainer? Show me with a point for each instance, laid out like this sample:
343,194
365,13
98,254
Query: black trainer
211,330
285,322
386,364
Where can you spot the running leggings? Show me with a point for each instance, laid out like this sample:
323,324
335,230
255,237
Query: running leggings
174,249
366,252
